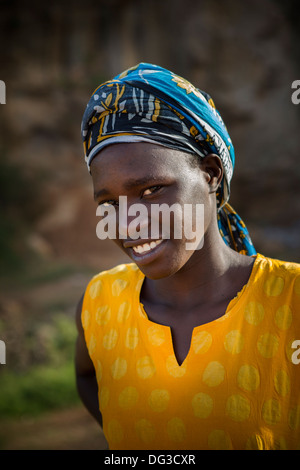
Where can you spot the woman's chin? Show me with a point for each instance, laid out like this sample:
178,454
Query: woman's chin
168,260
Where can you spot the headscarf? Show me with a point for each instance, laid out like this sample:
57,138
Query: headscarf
148,103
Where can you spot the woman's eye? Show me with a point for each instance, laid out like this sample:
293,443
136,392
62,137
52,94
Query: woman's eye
107,203
151,190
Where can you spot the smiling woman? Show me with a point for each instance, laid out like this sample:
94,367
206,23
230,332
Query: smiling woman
181,348
160,206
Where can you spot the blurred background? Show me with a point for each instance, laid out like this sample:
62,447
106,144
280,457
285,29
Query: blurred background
52,56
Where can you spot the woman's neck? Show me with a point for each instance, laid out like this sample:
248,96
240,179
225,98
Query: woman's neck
213,272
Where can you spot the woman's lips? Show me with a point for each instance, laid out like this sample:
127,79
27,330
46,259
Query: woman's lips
143,249
146,246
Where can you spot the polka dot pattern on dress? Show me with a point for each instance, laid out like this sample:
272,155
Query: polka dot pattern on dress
236,387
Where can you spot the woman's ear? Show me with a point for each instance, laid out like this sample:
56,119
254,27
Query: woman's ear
211,165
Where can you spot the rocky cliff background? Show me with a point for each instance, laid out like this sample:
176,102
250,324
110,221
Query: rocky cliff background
52,55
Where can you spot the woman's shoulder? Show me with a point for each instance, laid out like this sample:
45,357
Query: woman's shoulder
276,266
113,281
278,276
122,271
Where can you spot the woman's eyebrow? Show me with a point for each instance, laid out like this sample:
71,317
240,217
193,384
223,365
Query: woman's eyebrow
101,192
132,182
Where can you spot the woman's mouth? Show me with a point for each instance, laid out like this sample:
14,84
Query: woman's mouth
139,249
144,251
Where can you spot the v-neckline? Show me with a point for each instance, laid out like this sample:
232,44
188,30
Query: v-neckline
232,308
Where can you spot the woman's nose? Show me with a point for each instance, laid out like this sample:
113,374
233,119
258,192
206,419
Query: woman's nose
134,222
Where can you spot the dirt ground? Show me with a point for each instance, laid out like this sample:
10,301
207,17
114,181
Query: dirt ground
71,429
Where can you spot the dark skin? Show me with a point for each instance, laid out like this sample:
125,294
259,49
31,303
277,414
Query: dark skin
85,372
182,288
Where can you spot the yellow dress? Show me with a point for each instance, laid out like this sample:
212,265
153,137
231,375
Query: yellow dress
238,387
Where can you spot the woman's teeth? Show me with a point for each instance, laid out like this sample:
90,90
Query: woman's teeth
146,246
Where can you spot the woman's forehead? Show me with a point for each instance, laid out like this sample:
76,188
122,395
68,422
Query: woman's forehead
138,158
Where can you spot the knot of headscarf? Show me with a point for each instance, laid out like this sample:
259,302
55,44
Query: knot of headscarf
148,103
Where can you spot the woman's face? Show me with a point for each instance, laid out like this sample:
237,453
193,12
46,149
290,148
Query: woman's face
153,175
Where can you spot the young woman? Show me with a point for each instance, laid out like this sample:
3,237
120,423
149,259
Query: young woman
182,348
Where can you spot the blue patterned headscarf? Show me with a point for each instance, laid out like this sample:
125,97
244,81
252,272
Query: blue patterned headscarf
148,103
